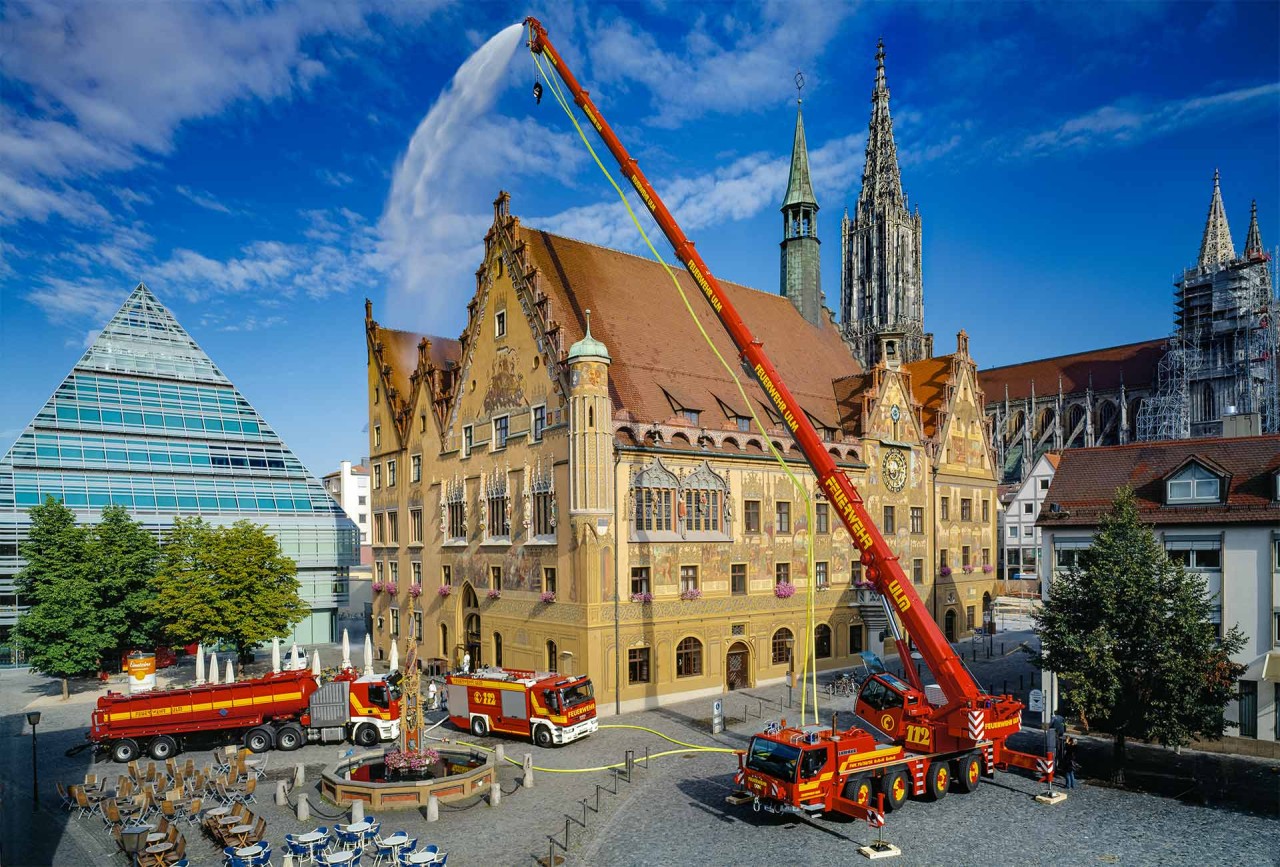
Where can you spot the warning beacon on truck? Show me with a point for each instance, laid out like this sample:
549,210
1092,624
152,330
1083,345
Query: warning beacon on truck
547,708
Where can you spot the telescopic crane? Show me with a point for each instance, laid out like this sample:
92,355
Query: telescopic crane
924,738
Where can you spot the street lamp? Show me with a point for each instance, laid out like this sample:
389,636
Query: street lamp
791,668
33,717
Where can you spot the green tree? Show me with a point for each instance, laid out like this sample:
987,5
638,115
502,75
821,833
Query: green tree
59,633
1128,633
122,560
229,584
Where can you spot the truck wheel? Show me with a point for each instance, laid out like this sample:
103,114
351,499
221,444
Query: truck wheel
938,781
859,789
365,736
163,747
124,750
289,737
479,727
896,788
259,739
542,736
966,773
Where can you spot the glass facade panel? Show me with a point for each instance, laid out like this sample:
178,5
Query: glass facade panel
147,421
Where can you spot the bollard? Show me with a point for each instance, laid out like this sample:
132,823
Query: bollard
499,757
304,808
495,792
433,808
299,775
357,811
288,860
528,771
281,797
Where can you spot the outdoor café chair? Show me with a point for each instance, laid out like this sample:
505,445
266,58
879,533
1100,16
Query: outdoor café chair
347,839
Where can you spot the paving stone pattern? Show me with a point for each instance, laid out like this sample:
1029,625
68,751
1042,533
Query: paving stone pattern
671,812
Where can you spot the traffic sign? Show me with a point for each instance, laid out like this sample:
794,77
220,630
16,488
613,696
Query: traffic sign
1037,700
717,717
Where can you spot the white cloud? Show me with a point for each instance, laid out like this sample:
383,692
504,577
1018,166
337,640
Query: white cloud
723,64
203,199
334,179
1137,120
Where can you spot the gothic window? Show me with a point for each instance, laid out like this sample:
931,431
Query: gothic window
654,489
1207,412
455,509
497,506
704,493
540,503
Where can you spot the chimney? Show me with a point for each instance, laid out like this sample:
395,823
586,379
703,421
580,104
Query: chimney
1241,424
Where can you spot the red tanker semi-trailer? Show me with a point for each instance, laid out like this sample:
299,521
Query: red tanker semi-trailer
283,710
547,708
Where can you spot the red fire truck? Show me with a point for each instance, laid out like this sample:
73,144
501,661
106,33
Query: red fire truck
548,708
283,710
919,739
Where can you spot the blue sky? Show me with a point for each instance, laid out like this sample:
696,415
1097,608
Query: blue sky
258,168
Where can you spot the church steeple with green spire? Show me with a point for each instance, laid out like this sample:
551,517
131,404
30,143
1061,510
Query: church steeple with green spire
801,278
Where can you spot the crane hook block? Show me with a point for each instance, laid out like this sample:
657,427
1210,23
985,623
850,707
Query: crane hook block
537,92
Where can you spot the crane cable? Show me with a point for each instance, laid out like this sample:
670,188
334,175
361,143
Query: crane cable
809,649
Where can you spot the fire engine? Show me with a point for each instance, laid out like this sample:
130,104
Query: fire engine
918,739
547,708
283,710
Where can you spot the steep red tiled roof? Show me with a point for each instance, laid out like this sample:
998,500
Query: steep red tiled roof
1134,364
1087,479
656,348
929,379
1053,458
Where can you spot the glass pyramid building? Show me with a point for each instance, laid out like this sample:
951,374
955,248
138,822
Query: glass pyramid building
147,421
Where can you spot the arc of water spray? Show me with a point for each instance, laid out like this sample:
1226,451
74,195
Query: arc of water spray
346,649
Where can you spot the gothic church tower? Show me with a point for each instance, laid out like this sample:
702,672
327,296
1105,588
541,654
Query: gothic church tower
880,281
801,279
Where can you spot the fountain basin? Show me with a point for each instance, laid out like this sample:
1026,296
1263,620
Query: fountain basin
460,773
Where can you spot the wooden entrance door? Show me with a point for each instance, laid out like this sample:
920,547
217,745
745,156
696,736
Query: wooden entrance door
737,667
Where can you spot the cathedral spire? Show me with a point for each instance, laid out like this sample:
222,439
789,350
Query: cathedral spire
799,187
1253,243
1216,247
881,181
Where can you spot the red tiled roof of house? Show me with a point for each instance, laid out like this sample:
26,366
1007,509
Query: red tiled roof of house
1087,479
929,380
1053,458
659,356
1134,364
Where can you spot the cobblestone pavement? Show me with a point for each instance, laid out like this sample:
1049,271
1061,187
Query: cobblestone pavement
671,812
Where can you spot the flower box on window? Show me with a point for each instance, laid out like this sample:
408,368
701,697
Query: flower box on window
377,586
944,571
390,587
445,590
967,569
988,568
691,594
785,590
495,594
415,590
641,597
548,596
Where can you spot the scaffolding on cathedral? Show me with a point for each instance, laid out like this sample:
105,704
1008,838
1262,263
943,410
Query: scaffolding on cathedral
1222,360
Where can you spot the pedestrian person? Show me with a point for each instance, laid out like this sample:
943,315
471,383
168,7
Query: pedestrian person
1067,762
1059,726
466,663
432,696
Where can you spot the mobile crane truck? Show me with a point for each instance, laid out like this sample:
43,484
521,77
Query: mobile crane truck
925,738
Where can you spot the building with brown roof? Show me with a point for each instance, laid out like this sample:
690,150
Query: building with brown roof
567,490
1215,505
1221,361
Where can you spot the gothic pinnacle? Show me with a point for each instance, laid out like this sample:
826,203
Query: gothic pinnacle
1253,242
1216,247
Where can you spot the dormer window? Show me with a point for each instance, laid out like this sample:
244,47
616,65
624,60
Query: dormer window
690,415
1194,484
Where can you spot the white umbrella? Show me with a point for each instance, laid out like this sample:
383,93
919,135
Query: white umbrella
275,655
368,655
395,656
199,664
346,649
231,672
315,663
213,667
294,657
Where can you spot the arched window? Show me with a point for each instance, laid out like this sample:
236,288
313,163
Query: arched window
469,598
1207,411
497,649
445,650
472,627
822,641
655,489
705,494
689,658
782,640
552,657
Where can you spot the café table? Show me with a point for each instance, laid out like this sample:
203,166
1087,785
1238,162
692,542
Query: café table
243,832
